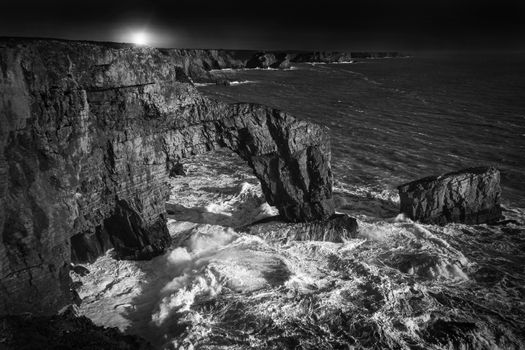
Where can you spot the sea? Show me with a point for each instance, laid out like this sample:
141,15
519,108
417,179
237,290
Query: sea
397,284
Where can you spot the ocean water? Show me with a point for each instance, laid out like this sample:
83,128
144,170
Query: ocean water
397,284
396,120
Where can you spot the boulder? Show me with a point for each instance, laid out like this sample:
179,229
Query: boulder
470,196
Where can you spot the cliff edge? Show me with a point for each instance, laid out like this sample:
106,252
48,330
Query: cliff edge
89,133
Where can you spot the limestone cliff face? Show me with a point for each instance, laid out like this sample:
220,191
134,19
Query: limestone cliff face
88,135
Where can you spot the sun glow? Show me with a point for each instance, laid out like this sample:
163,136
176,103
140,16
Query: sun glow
139,38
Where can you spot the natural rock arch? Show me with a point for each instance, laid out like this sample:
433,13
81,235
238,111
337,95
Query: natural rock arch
291,158
89,133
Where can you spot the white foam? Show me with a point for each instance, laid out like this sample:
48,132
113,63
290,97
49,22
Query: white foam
241,82
262,68
203,84
210,238
223,70
182,293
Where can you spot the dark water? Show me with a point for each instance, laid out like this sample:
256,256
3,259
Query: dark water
396,120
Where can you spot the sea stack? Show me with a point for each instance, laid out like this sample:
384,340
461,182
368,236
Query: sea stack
470,196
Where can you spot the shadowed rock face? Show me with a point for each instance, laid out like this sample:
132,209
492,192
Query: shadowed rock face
470,196
90,133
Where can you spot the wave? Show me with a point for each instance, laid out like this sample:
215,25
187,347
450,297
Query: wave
230,70
227,82
334,62
396,284
203,84
343,62
240,82
223,70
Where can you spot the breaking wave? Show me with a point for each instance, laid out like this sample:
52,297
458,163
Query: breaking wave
335,62
203,84
240,82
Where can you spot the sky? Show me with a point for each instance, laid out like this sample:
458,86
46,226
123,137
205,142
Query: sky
321,25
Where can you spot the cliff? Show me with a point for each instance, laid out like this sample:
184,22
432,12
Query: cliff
197,63
89,133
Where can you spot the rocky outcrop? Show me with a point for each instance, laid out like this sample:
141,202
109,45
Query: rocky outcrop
470,196
335,229
89,134
198,63
280,60
64,331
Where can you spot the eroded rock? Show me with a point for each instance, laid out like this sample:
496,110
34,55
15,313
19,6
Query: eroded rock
89,134
470,196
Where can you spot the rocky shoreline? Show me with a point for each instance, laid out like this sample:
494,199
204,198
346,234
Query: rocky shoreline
91,133
199,64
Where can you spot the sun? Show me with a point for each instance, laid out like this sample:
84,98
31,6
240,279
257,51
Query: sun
139,38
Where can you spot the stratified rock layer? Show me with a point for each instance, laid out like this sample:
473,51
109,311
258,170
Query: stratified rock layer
470,196
89,134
